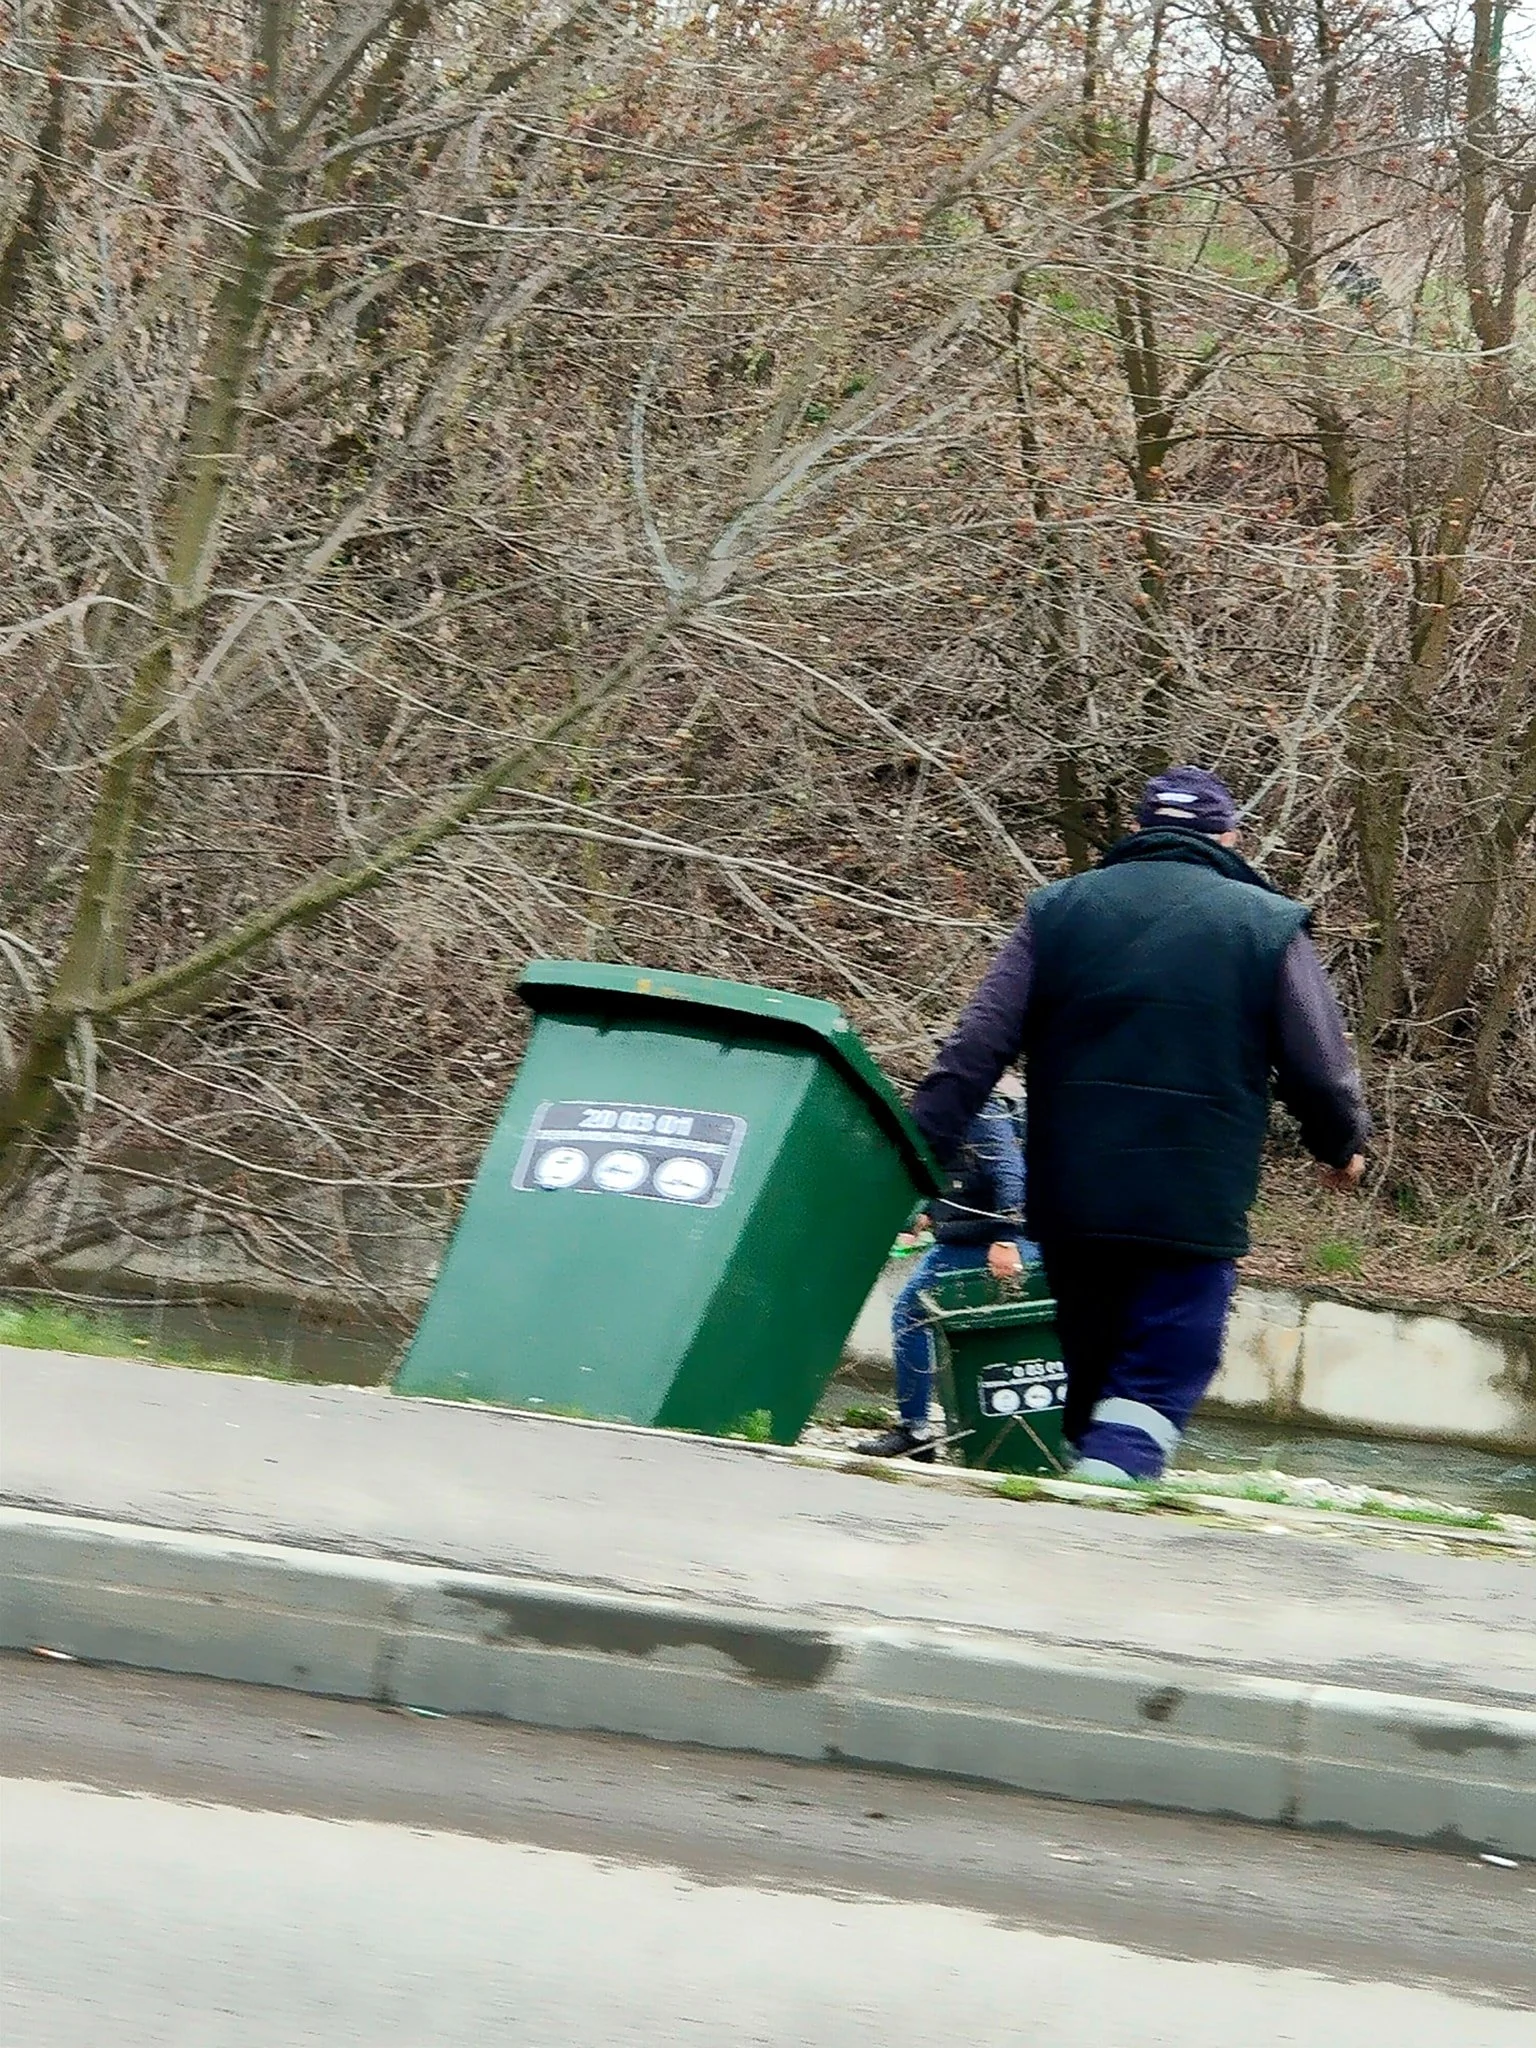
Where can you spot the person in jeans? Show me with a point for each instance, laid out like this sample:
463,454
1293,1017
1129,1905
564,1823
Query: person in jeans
1155,1001
977,1224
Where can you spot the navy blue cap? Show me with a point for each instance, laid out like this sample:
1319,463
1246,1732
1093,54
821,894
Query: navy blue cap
1193,798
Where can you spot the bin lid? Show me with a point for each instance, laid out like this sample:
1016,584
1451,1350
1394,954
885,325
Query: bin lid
588,985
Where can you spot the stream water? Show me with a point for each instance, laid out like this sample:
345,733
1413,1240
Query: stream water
358,1354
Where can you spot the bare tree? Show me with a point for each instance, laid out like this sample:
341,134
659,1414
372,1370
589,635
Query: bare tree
747,492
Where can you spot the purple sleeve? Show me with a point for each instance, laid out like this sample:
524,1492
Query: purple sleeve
987,1039
1315,1072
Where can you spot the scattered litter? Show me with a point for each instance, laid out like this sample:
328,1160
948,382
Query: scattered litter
315,1734
1500,1862
424,1713
1069,1856
54,1656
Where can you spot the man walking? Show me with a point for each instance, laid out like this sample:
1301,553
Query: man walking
1154,1001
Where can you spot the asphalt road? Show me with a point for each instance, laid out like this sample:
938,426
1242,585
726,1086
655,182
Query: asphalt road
295,1871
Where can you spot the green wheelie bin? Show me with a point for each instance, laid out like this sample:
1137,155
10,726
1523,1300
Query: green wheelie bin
999,1360
688,1197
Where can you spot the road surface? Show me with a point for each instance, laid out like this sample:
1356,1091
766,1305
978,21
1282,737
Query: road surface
189,1863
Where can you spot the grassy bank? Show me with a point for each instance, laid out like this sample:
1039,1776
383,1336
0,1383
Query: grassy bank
51,1326
1386,1249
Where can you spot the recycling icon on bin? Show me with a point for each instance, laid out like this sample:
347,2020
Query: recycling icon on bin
630,1148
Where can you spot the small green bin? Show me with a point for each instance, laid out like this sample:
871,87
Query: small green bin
1003,1379
689,1195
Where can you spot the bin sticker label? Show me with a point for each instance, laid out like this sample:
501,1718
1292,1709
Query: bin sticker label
1031,1385
685,1156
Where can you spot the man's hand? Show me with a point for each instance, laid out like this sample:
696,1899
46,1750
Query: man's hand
1004,1260
1343,1180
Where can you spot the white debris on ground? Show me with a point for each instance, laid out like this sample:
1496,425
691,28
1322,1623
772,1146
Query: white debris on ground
1278,1489
1284,1489
1310,1492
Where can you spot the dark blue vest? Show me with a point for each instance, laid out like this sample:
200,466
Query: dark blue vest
1149,1045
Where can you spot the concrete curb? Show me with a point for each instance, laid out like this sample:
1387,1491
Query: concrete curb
1072,1724
1513,1533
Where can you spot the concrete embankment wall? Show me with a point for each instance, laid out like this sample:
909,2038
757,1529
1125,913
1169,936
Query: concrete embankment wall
1307,1358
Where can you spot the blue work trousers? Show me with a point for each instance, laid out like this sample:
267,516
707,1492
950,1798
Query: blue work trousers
911,1338
1141,1335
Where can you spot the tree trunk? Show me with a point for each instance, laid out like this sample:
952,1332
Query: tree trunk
95,956
27,242
1512,977
1507,801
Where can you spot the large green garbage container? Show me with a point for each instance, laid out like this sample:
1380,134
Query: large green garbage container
686,1201
999,1358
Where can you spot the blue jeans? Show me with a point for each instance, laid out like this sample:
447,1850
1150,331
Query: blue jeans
1141,1334
911,1338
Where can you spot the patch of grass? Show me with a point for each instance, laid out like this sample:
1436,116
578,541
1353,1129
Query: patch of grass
1339,1257
1017,1487
1234,259
45,1326
857,1416
1442,1518
1078,313
50,1326
756,1428
1267,1492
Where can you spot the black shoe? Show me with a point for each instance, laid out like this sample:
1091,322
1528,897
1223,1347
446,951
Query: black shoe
900,1442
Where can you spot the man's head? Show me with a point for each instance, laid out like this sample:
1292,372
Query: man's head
1189,800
